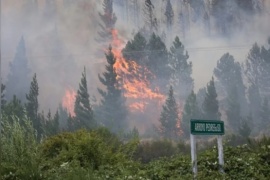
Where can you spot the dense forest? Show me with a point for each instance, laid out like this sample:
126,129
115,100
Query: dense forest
106,90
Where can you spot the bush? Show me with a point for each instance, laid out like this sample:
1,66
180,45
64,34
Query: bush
148,151
20,157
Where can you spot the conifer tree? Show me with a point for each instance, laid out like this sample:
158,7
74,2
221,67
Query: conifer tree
229,74
18,78
233,110
84,116
135,49
264,115
14,108
32,106
112,110
169,118
191,111
3,98
150,20
52,124
181,69
210,104
245,126
63,117
108,19
157,60
257,71
169,16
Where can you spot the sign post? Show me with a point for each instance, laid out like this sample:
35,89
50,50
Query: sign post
206,127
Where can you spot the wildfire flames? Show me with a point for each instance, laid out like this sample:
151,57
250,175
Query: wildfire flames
134,78
69,101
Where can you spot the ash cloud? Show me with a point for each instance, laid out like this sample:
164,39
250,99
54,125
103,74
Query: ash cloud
61,39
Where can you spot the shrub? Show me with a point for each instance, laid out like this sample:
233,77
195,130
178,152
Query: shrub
20,157
148,151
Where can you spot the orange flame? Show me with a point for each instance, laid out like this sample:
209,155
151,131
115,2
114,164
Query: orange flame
68,101
134,78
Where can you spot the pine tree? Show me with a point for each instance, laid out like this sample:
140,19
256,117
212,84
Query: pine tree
169,117
157,60
135,49
255,99
18,77
32,106
108,19
233,110
229,73
181,69
14,108
245,126
52,124
84,116
210,104
191,111
264,115
253,65
169,16
112,110
257,71
3,98
150,20
63,117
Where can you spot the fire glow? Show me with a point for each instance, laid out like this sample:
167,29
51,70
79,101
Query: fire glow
135,83
69,101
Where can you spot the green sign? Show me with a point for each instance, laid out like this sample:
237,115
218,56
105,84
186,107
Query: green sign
206,127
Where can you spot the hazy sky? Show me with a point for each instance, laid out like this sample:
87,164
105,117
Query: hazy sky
59,47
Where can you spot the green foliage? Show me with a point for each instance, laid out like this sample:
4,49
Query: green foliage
2,94
99,154
169,118
20,158
84,116
150,150
14,108
32,106
52,124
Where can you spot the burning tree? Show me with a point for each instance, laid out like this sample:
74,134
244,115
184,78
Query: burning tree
112,110
150,19
108,18
169,118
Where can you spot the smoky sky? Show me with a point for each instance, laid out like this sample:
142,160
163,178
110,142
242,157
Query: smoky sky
60,43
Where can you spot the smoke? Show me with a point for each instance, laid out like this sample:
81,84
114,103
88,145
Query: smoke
61,41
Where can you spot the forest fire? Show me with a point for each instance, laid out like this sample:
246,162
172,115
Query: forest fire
69,101
135,83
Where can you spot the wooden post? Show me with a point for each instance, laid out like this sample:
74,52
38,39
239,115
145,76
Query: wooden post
193,154
220,154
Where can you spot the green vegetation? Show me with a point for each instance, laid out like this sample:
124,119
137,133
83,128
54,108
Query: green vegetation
99,154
